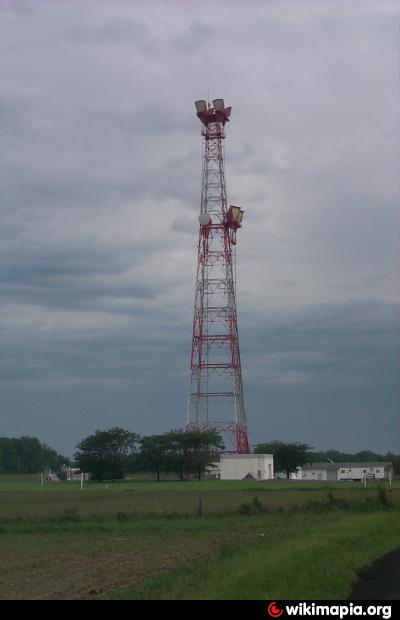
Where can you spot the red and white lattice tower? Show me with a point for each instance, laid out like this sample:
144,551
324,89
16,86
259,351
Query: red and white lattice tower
216,391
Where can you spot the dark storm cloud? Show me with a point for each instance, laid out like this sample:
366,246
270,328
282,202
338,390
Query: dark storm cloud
327,344
320,364
330,345
327,376
63,284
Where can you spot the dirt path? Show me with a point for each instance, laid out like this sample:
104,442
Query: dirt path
380,581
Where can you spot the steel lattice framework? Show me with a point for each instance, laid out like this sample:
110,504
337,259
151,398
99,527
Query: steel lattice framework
216,391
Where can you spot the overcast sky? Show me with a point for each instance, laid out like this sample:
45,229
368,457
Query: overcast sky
100,192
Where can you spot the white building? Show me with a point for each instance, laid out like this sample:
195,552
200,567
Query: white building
359,471
241,466
347,471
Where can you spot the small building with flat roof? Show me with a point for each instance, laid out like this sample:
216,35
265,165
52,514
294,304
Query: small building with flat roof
246,466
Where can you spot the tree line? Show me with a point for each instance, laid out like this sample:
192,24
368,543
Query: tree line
113,453
27,455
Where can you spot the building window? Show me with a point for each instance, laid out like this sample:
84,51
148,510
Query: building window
365,471
377,471
342,471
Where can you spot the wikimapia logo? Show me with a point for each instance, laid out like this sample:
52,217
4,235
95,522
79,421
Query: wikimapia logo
276,610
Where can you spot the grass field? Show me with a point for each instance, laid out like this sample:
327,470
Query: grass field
139,539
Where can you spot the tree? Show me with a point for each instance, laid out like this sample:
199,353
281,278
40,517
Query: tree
153,453
106,453
343,457
9,456
202,447
395,460
287,456
191,453
26,455
179,451
30,454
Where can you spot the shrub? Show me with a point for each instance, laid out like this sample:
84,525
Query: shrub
384,498
338,502
252,508
69,514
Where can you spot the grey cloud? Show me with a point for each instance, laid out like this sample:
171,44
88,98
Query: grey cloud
327,375
54,282
115,30
140,117
185,224
17,7
18,108
332,344
193,40
293,363
16,95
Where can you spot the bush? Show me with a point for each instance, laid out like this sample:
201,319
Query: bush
254,507
384,498
338,502
69,514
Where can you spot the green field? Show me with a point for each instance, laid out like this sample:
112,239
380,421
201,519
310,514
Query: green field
142,539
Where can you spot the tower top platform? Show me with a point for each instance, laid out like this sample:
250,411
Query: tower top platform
217,114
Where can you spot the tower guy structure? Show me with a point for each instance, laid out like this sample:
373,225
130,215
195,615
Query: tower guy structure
216,391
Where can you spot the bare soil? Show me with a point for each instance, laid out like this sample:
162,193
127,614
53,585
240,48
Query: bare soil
88,571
